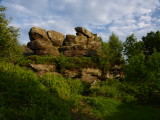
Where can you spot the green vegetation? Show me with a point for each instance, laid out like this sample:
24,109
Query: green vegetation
132,47
115,50
25,96
9,46
151,42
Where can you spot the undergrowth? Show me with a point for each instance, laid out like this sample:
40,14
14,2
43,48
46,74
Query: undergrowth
25,96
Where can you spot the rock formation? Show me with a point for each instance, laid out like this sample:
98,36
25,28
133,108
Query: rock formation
41,43
84,43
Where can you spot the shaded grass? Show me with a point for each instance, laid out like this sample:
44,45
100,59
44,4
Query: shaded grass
109,109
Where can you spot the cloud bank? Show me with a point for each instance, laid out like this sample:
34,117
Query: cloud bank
122,17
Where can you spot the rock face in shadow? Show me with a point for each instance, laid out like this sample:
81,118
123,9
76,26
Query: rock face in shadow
84,43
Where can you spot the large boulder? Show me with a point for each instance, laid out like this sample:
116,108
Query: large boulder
82,31
56,37
72,40
38,33
40,43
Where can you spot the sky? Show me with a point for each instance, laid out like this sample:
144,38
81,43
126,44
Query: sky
123,17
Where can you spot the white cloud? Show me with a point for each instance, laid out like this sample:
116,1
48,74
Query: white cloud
146,18
145,11
120,16
143,24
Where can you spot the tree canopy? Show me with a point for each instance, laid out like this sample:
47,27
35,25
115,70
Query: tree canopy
151,42
9,45
132,46
115,49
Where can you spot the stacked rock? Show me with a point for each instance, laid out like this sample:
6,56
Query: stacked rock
84,43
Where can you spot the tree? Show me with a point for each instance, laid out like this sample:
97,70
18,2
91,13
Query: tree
144,77
103,58
115,49
132,47
9,45
135,70
151,42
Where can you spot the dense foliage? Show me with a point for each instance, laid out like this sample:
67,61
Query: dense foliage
151,42
9,46
115,49
132,47
25,96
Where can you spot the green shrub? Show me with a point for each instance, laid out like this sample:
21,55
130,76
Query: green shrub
56,84
24,61
115,89
76,86
46,59
24,97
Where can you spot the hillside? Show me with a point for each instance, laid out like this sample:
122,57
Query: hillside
26,97
78,77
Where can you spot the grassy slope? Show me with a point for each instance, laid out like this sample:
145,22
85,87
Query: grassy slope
23,96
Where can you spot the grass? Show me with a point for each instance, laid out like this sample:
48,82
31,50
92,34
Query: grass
24,96
109,109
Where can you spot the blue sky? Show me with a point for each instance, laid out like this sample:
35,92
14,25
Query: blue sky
123,17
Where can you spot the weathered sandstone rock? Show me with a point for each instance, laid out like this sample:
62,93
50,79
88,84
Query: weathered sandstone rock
83,31
56,37
43,67
90,75
75,40
74,51
52,42
72,74
38,33
40,43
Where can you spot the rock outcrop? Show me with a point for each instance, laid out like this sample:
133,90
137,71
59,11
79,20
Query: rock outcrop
90,75
84,43
42,43
42,69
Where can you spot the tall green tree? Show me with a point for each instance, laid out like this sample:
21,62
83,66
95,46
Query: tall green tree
115,49
132,47
10,49
151,42
104,63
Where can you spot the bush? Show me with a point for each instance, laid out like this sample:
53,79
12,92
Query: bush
23,96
